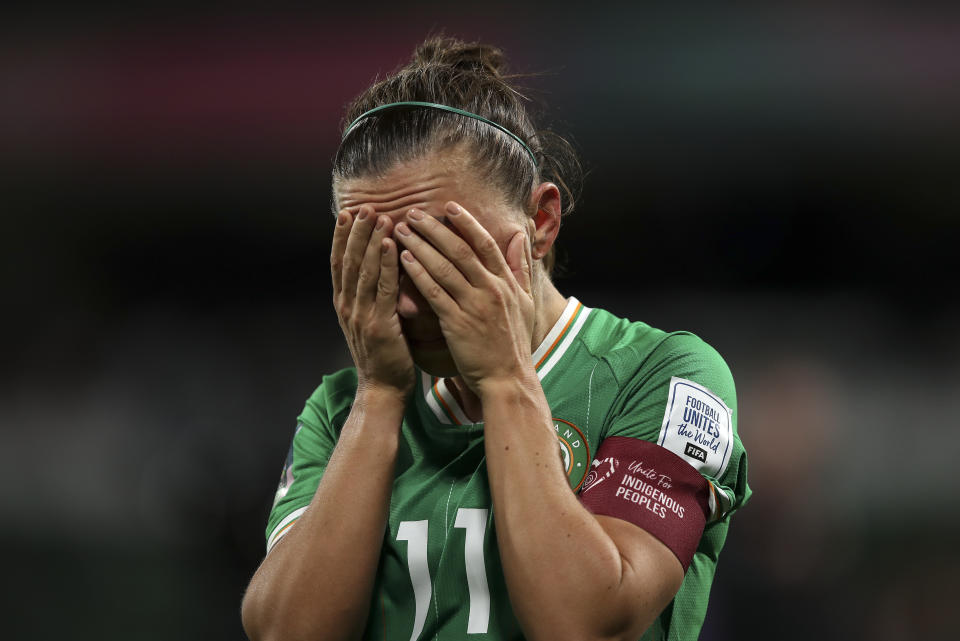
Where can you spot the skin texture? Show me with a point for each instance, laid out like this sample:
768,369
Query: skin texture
431,266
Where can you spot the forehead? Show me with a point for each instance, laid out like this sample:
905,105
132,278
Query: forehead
425,183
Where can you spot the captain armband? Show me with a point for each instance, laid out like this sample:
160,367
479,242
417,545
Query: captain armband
651,487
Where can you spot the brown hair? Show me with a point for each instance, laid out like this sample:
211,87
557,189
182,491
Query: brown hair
468,76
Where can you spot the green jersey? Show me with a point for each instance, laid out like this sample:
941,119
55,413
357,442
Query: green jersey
439,574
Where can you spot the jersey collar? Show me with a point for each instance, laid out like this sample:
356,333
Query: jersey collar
444,405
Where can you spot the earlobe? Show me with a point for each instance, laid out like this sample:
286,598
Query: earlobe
546,222
541,222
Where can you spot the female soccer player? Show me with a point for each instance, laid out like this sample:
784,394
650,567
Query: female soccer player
503,462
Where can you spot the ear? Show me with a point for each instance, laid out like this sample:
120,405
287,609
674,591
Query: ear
546,220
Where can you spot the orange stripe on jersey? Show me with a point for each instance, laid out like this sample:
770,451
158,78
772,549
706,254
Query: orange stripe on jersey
716,501
446,407
276,537
560,337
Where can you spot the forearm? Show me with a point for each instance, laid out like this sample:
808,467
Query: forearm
317,581
537,515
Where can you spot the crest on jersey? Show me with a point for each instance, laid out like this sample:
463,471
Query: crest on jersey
574,451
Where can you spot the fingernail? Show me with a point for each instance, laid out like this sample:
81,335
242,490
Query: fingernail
402,229
415,214
341,219
407,256
380,222
454,209
362,215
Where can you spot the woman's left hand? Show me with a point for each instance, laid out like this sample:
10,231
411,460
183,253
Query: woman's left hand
482,297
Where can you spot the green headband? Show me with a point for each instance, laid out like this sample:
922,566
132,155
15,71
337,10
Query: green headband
433,105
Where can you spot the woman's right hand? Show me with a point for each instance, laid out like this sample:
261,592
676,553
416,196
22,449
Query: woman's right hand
363,263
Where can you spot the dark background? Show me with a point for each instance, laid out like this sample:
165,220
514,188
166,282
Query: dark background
780,180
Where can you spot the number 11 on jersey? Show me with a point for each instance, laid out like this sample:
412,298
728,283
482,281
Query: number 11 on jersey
474,522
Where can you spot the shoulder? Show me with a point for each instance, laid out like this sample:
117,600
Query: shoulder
679,360
634,349
337,383
676,390
333,396
688,353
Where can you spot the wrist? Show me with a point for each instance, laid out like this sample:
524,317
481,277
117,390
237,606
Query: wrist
522,384
380,392
375,399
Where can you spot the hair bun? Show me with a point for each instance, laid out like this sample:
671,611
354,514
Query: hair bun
468,56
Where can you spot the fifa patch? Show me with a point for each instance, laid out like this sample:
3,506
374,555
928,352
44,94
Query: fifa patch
697,427
574,452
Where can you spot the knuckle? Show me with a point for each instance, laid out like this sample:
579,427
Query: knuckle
385,289
445,270
433,291
487,245
488,282
462,251
355,324
376,332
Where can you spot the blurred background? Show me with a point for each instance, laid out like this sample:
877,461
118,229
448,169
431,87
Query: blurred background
780,180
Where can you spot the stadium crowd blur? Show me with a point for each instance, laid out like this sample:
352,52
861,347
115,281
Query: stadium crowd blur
781,181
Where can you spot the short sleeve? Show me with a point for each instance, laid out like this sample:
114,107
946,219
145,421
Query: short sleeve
314,439
682,397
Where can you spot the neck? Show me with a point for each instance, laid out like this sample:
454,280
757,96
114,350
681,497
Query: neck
549,309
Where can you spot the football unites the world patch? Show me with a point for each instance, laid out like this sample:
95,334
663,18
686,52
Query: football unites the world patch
574,451
697,426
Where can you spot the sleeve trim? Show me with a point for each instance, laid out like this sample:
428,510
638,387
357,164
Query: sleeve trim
283,527
719,502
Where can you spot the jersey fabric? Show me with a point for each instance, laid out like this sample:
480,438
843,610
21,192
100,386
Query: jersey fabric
439,575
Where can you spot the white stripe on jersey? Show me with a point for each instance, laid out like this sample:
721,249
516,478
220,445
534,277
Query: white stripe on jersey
281,530
562,348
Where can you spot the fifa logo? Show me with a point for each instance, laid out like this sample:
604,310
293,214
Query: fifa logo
693,451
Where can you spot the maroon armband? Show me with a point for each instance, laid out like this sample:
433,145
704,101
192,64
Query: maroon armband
651,487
